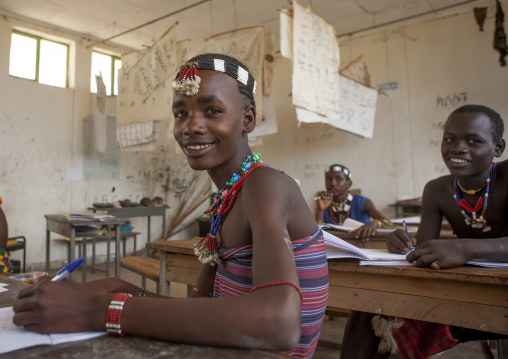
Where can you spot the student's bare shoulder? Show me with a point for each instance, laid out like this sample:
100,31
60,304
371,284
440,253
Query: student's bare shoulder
272,177
439,185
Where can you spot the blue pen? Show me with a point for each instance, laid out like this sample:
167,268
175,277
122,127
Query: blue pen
411,248
68,269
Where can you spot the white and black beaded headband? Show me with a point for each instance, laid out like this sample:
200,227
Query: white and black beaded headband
187,80
339,168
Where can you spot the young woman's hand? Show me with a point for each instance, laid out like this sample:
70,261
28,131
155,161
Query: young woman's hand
60,307
367,230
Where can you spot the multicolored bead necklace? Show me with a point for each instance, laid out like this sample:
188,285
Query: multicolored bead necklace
473,221
340,211
207,248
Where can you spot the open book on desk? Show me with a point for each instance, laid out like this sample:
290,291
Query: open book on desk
343,249
350,225
381,257
14,337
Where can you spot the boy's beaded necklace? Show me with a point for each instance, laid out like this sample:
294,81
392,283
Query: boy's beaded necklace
207,248
340,211
473,221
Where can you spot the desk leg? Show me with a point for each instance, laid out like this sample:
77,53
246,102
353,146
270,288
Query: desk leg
149,236
83,274
48,249
72,244
164,286
164,226
117,251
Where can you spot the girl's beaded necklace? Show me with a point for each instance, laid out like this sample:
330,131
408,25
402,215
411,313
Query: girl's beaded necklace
340,211
207,248
473,221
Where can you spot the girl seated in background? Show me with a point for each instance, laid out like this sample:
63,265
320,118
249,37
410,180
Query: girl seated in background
336,204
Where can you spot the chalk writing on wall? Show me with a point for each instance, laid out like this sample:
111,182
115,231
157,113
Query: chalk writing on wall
453,100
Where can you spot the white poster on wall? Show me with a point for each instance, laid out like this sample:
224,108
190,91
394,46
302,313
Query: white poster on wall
357,109
315,64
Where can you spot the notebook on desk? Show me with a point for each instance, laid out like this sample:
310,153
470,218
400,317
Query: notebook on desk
350,225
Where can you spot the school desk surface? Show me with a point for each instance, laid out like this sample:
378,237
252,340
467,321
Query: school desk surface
467,296
128,347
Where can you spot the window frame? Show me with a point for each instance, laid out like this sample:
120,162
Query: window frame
38,56
113,58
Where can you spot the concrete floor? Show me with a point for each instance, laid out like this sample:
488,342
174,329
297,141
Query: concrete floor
331,334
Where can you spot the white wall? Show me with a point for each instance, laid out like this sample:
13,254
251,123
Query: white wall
41,128
430,60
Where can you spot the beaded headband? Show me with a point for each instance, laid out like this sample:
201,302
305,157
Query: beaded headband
340,168
187,80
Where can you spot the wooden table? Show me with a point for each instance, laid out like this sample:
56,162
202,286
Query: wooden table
62,225
139,211
128,347
468,296
471,297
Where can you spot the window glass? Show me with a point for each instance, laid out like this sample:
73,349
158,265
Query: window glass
53,64
23,57
35,58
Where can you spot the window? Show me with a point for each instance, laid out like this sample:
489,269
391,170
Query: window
108,66
39,59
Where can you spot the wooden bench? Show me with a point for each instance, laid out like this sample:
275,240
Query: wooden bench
144,266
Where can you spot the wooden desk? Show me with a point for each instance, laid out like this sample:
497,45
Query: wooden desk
128,347
471,297
178,263
468,296
63,226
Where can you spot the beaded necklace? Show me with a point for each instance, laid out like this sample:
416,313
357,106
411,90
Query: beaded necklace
340,211
471,191
473,221
207,248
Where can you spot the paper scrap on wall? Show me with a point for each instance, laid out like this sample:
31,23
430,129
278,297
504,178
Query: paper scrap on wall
315,64
100,116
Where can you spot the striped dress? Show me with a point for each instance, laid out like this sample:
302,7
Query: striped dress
233,278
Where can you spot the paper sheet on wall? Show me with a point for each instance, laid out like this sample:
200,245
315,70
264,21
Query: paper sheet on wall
286,33
315,64
357,109
100,116
248,46
144,82
14,337
268,61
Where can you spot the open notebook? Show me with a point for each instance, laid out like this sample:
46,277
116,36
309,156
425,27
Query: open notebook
350,225
370,256
14,337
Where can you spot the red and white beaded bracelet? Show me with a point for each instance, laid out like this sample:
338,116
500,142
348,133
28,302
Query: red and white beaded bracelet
114,313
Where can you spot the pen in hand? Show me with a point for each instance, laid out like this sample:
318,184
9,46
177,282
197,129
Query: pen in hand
68,269
411,248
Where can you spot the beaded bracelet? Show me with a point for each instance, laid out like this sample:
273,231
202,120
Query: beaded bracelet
114,313
320,220
278,283
202,291
141,291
